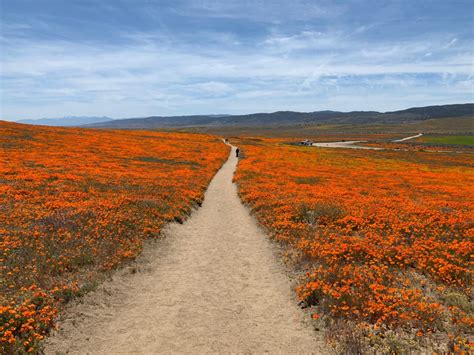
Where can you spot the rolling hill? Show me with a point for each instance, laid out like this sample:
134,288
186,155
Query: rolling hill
290,118
68,121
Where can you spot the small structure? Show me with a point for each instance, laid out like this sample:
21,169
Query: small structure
306,142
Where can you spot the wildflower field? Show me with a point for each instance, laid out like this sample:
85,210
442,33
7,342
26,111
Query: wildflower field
77,202
383,240
420,146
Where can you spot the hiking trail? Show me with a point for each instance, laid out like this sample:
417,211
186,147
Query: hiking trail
214,284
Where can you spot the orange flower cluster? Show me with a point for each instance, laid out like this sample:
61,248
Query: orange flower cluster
386,236
418,146
75,202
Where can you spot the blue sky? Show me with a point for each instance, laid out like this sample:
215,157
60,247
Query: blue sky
132,58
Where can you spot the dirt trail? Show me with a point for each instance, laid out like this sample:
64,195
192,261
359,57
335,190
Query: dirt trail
408,138
345,144
213,285
353,144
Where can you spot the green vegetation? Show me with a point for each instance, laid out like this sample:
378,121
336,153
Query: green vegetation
442,126
459,140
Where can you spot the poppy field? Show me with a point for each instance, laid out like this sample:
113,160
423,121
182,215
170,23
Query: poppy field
75,203
383,240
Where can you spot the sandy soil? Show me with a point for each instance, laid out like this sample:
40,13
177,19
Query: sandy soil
408,138
353,144
214,284
345,144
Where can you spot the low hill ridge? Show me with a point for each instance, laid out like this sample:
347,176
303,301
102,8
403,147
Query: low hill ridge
286,118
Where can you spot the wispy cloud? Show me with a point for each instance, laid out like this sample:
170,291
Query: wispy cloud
176,65
264,10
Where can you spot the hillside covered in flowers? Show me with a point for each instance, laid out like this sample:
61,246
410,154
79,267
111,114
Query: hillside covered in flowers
382,239
77,202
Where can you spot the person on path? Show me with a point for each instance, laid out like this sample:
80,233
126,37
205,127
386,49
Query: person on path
237,152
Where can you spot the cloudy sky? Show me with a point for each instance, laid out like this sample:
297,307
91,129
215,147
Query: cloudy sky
130,58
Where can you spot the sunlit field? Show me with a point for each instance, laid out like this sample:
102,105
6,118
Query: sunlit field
382,239
426,143
75,203
448,139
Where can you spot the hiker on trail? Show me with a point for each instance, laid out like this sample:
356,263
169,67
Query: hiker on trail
237,152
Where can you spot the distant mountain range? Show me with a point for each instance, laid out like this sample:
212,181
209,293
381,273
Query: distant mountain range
280,118
290,118
67,121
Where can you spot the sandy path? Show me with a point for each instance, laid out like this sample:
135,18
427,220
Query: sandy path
408,138
213,285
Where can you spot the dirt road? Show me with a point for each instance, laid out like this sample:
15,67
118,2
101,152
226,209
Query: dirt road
353,144
344,144
408,138
213,285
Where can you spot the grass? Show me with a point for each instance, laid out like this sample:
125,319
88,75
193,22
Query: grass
448,125
457,140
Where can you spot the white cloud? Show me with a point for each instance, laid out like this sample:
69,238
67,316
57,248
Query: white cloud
305,40
212,88
270,11
154,74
